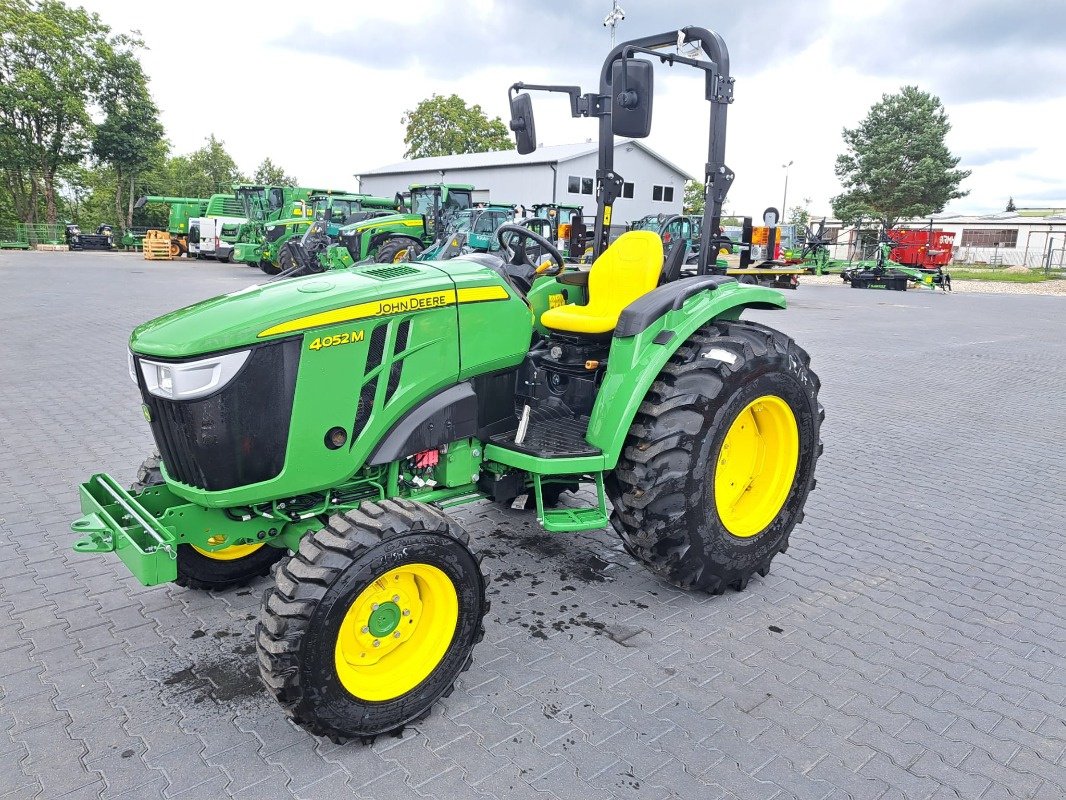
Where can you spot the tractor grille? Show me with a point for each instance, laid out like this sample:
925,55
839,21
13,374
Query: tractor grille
391,372
236,436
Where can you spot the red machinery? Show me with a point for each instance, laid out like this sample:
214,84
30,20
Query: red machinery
925,248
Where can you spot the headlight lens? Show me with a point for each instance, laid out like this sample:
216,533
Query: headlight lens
132,366
192,379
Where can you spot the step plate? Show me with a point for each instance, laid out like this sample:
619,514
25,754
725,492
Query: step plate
557,437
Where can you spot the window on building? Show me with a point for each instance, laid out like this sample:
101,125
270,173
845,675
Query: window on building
573,184
627,189
586,186
989,237
664,194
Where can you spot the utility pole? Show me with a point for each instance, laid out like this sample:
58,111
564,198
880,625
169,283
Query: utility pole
612,19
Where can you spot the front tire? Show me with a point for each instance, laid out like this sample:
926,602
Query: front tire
720,458
284,259
227,568
397,250
371,622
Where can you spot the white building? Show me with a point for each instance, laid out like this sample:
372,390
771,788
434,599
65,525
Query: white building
564,174
1009,238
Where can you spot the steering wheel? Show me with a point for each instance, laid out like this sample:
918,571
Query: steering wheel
517,255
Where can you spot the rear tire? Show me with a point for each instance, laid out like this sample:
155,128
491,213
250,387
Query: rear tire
673,505
197,569
316,624
398,250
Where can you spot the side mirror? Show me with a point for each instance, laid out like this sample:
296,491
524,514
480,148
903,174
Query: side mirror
525,133
399,201
632,81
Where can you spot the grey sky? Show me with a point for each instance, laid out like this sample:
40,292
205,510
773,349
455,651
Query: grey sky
321,88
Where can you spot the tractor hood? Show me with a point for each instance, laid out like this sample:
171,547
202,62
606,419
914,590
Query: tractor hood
412,220
275,310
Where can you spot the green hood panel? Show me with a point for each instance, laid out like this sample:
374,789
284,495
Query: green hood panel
241,318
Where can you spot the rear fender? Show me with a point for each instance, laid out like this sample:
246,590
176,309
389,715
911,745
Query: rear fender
649,331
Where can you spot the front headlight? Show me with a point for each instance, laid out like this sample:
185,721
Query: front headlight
132,365
192,379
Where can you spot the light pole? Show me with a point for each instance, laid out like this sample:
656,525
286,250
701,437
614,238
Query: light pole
784,197
611,20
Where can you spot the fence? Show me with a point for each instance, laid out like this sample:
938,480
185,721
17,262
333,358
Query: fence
26,235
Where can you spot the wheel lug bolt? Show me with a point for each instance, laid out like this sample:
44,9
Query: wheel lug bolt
407,612
366,629
396,635
377,643
374,607
396,598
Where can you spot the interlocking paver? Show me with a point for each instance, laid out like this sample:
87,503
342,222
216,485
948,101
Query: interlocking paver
917,651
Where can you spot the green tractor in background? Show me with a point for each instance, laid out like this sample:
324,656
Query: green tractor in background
557,214
182,209
343,209
404,235
262,205
325,424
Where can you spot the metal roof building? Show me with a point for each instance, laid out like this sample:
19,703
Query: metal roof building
561,173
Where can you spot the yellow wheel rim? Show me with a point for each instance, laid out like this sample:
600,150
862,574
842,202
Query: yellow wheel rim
756,466
400,255
396,632
231,553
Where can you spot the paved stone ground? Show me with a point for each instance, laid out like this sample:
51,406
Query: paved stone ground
911,643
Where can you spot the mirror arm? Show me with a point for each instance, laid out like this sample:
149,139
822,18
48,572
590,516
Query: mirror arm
581,105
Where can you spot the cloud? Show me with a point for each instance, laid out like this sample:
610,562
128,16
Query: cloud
1053,196
990,155
556,36
965,51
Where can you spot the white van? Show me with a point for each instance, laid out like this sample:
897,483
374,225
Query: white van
208,237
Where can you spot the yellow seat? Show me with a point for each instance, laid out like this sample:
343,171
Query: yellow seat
626,270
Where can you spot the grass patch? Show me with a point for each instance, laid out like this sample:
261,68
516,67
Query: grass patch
1036,276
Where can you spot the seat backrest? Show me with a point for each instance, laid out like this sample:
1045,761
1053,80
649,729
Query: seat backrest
675,257
626,270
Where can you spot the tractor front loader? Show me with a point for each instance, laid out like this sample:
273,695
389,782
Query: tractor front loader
324,425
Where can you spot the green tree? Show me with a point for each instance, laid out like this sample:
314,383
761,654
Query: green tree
444,126
1010,204
130,138
798,215
53,62
695,193
270,174
896,163
213,168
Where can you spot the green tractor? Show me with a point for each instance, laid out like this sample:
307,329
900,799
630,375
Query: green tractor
322,426
182,209
262,205
557,215
405,235
344,209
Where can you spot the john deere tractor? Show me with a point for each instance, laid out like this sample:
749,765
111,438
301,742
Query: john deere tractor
344,209
405,235
324,426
